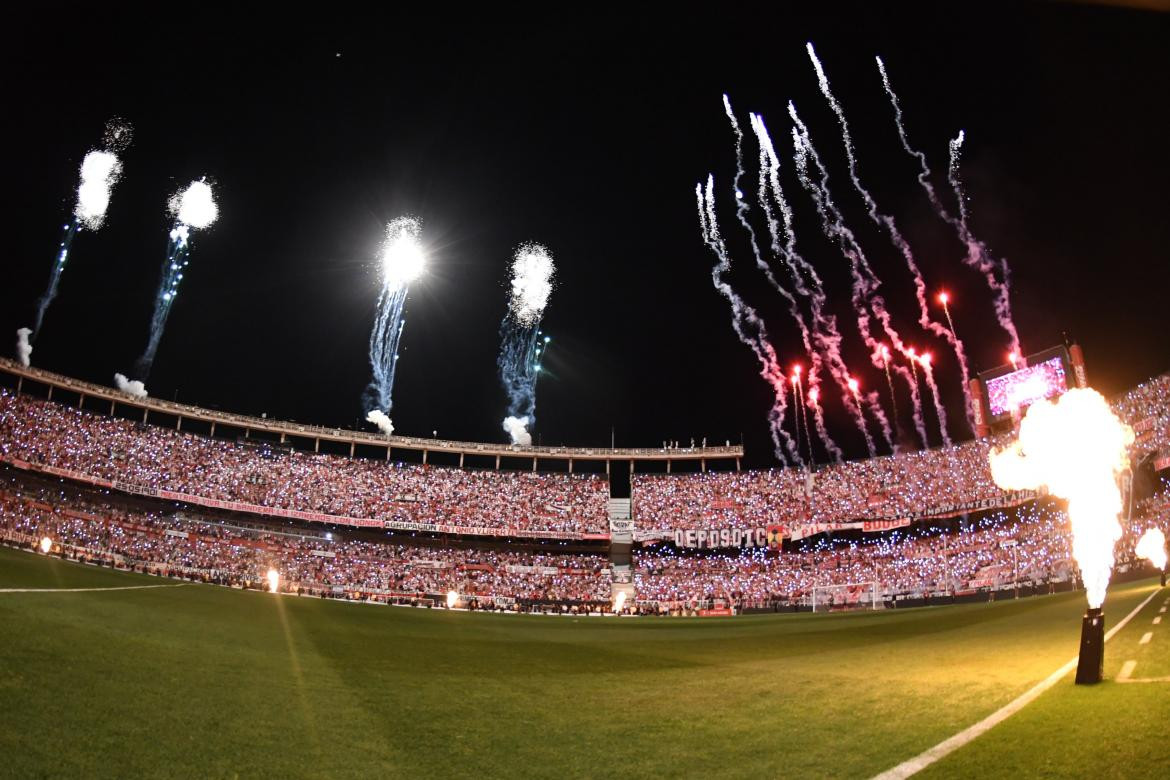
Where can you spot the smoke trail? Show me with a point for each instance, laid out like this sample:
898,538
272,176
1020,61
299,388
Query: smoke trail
748,327
1077,448
402,262
99,172
896,237
129,386
928,374
193,208
23,347
978,256
741,209
879,414
521,340
864,282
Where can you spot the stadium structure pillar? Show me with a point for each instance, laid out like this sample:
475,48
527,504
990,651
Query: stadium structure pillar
145,415
352,445
424,456
703,465
316,444
113,404
81,401
497,463
979,410
737,464
50,393
282,437
533,464
388,453
1078,365
461,460
607,467
179,423
19,384
212,434
668,465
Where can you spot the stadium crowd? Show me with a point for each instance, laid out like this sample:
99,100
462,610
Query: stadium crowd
911,484
157,458
180,543
1028,545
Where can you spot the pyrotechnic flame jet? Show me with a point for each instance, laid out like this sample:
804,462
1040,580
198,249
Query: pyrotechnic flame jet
1076,446
521,340
193,208
403,261
1152,547
100,171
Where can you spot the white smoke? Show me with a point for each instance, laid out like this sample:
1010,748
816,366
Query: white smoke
194,206
532,282
379,418
131,387
1076,447
23,347
100,170
517,428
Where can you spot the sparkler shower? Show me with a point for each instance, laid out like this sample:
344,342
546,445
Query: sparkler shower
1076,447
521,341
193,208
100,171
403,260
804,292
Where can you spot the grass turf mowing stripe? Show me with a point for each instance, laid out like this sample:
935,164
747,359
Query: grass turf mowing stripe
85,590
947,746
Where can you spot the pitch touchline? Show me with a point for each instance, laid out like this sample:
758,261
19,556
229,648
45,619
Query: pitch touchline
84,590
948,746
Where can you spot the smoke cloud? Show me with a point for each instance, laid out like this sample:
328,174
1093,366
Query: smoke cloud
23,347
517,428
131,387
379,418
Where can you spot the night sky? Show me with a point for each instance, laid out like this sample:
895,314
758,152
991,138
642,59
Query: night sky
587,135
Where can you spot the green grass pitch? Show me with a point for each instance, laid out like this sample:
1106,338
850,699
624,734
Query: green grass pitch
201,681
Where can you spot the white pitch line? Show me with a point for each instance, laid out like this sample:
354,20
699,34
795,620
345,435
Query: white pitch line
1146,637
1157,620
1126,671
947,746
84,590
1162,610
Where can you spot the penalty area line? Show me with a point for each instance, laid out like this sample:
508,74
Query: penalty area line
85,590
946,747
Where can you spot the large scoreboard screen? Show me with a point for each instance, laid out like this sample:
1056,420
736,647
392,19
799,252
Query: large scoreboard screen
1023,387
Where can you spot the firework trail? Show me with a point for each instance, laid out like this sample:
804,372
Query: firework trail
896,237
865,283
193,208
825,338
741,209
521,340
748,327
100,171
978,256
402,262
928,374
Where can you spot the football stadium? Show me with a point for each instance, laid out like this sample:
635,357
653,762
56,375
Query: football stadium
825,488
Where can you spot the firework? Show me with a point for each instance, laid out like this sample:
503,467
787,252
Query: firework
403,260
99,172
522,343
193,208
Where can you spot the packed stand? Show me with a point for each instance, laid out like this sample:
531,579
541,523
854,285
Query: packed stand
915,563
913,484
156,458
184,544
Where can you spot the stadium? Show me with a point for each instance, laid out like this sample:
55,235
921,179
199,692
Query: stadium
932,551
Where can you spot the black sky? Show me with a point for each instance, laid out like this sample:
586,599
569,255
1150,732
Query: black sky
588,135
